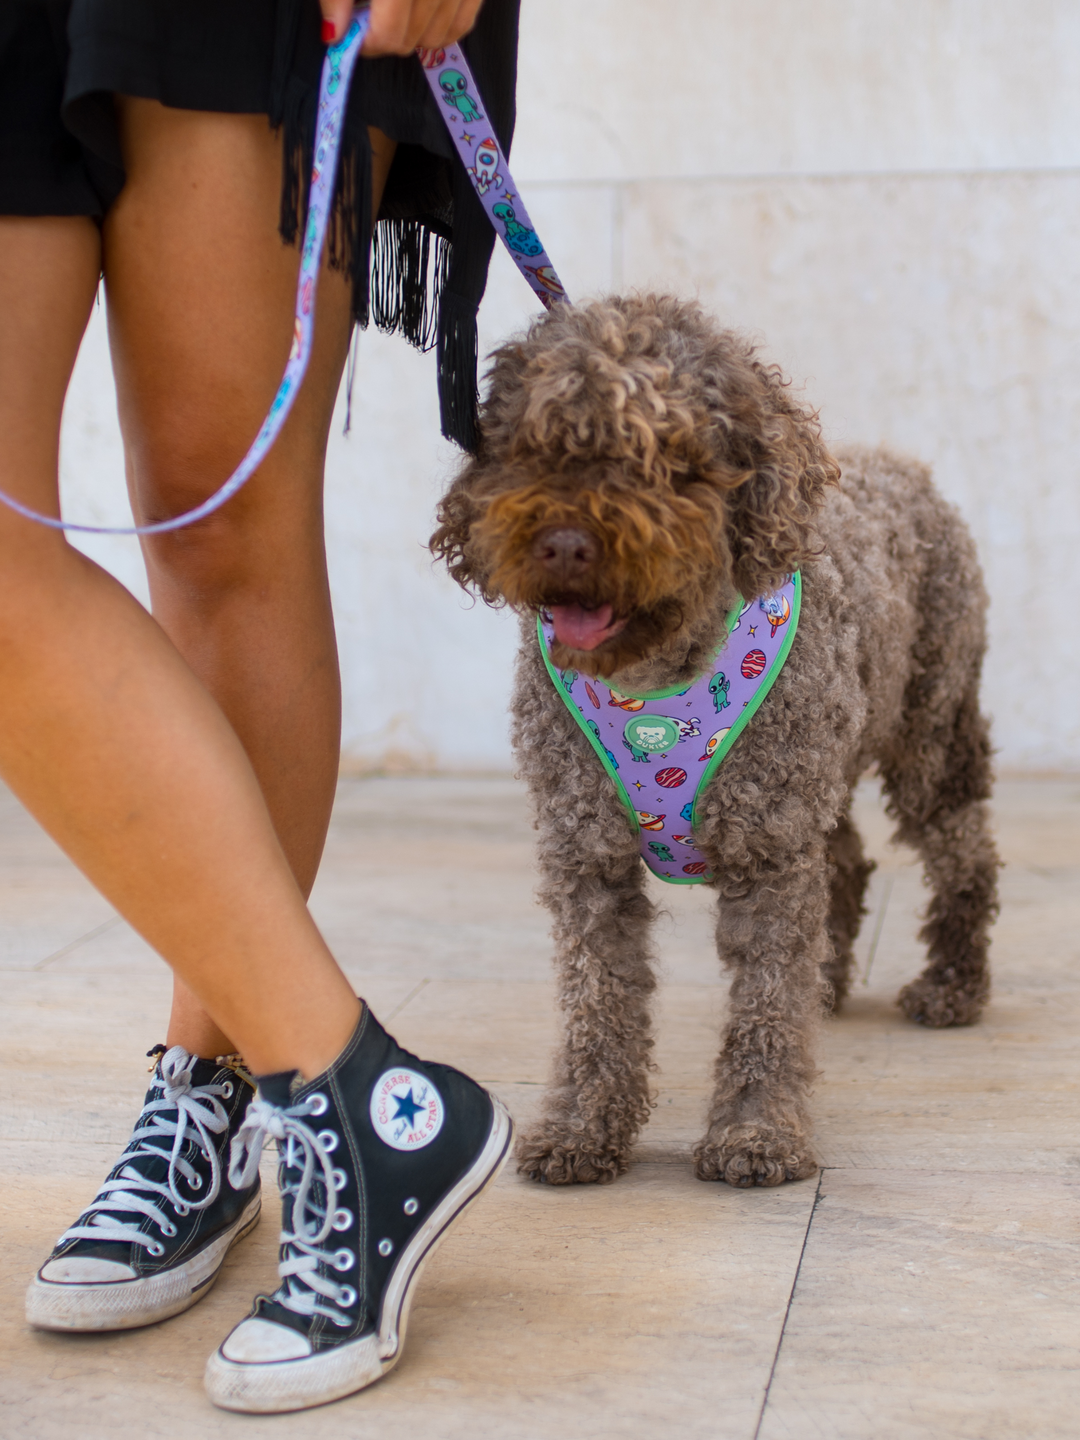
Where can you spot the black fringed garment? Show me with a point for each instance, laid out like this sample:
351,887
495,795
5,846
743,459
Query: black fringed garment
423,272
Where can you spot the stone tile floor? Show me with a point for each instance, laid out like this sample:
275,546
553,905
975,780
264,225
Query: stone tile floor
924,1286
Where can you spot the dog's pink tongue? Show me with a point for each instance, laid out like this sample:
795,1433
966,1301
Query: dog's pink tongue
583,629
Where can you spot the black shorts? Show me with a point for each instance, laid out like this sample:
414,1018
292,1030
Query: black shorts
44,170
62,62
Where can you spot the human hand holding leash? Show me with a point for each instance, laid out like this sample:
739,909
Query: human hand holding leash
398,26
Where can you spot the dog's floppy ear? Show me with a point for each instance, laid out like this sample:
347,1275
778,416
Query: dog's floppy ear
481,475
456,512
771,511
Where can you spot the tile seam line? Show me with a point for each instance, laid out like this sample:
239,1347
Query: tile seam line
734,177
74,944
787,1308
410,996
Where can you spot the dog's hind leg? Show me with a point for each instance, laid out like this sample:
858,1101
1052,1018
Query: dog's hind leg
937,774
938,791
850,872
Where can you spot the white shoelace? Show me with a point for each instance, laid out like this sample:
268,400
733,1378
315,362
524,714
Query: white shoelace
184,1112
300,1148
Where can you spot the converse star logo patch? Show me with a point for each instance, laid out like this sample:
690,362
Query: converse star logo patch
406,1110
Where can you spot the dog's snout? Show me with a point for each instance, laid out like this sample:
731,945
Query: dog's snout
565,551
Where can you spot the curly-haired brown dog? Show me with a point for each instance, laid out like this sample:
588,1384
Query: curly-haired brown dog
639,469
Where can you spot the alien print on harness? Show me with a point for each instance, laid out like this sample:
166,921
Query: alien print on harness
462,109
661,749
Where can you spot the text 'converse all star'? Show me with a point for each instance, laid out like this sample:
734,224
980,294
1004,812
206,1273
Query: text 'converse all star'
154,1238
379,1156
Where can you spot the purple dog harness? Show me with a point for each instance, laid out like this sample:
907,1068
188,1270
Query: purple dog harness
454,88
670,727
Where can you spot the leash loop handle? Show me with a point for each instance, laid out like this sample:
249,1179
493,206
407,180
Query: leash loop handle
452,83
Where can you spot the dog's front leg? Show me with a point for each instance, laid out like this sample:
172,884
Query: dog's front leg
599,1096
772,935
592,881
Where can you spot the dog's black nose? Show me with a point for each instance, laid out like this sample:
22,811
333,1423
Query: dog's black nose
565,552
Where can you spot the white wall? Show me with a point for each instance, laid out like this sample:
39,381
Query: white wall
886,192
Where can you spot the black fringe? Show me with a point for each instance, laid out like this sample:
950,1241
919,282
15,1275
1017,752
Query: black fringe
457,354
399,273
409,266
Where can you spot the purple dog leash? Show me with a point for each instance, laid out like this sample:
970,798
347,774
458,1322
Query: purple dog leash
453,86
452,82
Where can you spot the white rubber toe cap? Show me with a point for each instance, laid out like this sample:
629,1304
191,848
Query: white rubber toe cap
261,1342
85,1270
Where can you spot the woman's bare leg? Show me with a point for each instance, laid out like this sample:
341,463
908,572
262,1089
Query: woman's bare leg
201,295
109,739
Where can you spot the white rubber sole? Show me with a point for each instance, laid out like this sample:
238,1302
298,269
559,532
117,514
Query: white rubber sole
281,1385
126,1304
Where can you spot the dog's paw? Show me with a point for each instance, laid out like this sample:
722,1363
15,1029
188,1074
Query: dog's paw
561,1159
747,1155
940,1004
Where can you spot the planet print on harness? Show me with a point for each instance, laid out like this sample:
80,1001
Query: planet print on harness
776,610
407,1111
671,778
753,664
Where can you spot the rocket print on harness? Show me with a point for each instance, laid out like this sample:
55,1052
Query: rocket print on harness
658,738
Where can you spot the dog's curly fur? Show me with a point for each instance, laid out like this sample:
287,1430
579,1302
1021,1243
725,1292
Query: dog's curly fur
697,477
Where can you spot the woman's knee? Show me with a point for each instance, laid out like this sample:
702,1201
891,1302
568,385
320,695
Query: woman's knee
267,537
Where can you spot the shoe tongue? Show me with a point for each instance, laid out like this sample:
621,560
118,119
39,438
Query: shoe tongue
276,1089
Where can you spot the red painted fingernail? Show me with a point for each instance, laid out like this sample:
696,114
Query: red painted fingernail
329,32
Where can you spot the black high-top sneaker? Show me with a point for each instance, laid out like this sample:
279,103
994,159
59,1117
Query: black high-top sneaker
378,1157
153,1240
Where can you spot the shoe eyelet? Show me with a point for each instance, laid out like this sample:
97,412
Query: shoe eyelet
227,1090
341,1324
181,1210
328,1140
386,1247
340,1179
196,1182
344,1259
411,1206
346,1296
342,1219
168,1229
156,1249
317,1104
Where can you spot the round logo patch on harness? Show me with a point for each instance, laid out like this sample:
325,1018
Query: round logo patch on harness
407,1112
655,734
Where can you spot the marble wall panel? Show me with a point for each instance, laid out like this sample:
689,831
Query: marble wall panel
619,89
939,315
